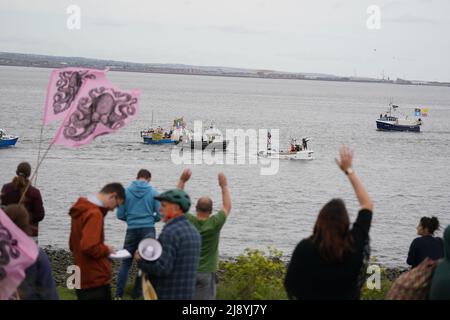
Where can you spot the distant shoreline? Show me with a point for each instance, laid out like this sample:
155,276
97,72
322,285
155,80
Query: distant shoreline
54,62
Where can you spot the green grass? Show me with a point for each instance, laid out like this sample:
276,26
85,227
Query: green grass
69,294
376,294
66,294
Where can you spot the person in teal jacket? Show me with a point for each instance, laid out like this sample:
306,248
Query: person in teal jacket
140,211
440,284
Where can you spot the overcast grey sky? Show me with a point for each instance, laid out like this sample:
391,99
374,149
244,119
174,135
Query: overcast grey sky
324,36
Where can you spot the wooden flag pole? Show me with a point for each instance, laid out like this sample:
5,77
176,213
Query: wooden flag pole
39,150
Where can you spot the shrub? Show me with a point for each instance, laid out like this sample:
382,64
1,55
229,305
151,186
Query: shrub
377,294
253,275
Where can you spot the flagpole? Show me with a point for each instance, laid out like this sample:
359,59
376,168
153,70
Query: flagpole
22,198
39,150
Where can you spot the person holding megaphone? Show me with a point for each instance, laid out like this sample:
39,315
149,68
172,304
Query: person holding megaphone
173,274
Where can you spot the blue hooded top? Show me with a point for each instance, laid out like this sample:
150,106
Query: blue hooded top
140,209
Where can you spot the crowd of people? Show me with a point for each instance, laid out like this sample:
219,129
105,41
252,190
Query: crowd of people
329,264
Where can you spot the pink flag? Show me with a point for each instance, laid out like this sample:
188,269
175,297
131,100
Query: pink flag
99,108
17,252
63,88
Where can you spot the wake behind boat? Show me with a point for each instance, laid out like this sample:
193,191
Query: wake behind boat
7,140
391,122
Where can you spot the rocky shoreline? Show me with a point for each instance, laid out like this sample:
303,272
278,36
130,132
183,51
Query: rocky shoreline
60,259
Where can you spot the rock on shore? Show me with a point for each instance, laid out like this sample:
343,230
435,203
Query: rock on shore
60,259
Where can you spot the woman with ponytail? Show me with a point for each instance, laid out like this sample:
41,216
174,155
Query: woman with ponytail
21,190
426,246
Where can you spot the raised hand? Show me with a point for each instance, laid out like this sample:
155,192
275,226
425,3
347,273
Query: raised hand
345,163
186,175
226,197
346,157
222,180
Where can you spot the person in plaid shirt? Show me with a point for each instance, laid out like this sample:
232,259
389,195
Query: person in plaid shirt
174,274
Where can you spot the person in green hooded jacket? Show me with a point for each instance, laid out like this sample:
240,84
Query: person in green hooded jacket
440,285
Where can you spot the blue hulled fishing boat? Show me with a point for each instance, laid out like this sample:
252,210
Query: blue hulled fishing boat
7,140
161,136
391,122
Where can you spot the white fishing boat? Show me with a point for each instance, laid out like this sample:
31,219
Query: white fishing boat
212,139
297,151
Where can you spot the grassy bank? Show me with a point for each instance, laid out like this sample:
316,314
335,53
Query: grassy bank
256,275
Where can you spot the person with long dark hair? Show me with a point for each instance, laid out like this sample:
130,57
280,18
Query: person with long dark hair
328,264
425,246
13,192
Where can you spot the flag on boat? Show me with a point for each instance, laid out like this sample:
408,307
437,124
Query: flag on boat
63,87
177,123
18,252
100,108
417,112
425,112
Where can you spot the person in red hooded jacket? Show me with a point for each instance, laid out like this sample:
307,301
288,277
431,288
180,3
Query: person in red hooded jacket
87,237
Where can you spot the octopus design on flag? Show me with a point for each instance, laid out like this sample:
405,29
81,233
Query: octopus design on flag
8,250
104,105
68,85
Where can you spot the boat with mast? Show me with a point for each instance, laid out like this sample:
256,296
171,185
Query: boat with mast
297,151
160,135
212,139
392,121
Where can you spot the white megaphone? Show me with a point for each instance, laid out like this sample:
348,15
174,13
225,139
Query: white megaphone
150,249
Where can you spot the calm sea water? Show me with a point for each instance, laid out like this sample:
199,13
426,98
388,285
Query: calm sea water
407,174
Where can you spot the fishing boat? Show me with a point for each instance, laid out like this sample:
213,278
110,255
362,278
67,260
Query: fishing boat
297,151
212,139
159,135
391,121
7,140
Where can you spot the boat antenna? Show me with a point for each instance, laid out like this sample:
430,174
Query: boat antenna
151,126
